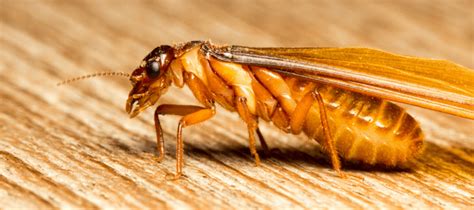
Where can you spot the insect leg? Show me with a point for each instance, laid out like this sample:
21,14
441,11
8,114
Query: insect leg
165,109
191,115
189,119
251,121
329,140
160,142
263,143
298,117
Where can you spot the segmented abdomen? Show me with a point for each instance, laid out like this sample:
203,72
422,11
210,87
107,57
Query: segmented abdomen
366,129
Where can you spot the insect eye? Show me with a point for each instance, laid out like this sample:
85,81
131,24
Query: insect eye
152,69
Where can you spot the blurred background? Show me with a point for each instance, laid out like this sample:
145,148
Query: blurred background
74,146
129,29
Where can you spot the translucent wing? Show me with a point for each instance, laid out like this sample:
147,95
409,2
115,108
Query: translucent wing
434,84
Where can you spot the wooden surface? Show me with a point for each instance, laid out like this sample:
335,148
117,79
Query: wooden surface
74,146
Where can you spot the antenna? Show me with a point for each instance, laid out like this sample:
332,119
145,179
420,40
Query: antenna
97,74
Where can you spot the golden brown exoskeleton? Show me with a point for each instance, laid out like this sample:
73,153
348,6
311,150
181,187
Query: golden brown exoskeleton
337,96
355,126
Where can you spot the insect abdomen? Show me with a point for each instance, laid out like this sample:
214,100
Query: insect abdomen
366,129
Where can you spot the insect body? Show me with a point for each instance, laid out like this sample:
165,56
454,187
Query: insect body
300,91
337,96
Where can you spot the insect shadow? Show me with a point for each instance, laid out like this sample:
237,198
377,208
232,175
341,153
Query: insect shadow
286,155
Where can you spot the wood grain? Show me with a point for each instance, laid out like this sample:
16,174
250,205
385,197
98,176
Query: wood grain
74,146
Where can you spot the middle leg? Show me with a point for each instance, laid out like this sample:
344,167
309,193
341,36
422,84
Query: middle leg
263,143
252,127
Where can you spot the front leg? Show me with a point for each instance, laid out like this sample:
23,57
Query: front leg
191,115
190,119
170,109
251,121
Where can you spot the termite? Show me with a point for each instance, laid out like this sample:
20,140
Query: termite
341,97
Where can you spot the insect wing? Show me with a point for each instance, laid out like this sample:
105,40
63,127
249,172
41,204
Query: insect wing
434,84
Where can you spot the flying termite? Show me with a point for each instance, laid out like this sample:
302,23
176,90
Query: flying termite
340,97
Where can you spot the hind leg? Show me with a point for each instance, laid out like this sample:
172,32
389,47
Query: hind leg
329,140
298,119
